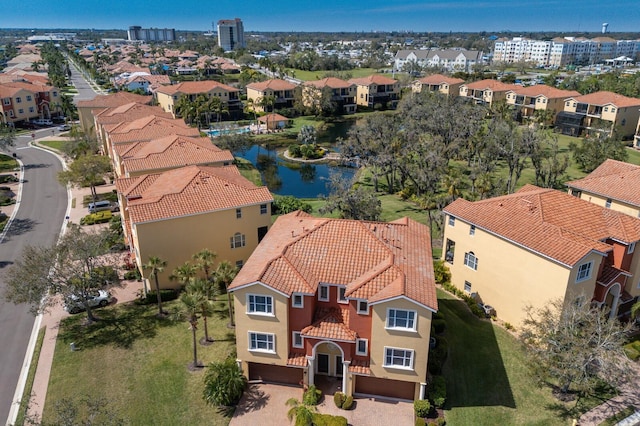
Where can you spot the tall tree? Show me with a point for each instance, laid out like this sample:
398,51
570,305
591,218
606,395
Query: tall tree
156,266
185,273
204,304
576,345
191,300
351,200
224,275
76,266
597,147
87,170
205,259
7,136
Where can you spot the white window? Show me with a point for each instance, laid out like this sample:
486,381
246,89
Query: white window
237,240
363,307
467,286
296,340
362,346
401,319
472,230
6,101
584,272
258,304
323,293
263,209
452,221
398,358
471,260
631,248
298,301
261,342
341,297
238,213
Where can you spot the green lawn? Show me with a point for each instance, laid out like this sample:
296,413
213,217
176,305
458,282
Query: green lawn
7,162
57,145
487,380
138,362
319,75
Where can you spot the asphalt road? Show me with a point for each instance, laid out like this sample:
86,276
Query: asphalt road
38,221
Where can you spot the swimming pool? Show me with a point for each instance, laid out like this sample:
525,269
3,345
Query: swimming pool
232,131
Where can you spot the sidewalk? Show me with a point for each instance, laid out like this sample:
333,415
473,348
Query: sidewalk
51,319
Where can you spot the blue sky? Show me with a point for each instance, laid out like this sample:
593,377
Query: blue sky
328,15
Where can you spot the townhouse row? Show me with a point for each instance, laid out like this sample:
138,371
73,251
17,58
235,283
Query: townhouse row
571,113
22,100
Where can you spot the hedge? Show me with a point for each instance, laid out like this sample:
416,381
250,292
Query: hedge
97,217
438,391
328,420
165,296
422,407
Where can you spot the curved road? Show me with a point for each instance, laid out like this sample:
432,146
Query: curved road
38,221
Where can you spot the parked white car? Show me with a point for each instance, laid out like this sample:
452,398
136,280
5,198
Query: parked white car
73,304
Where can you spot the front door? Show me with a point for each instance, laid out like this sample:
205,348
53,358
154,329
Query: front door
339,365
323,363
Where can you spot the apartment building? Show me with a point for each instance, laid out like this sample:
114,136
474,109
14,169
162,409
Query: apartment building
439,59
168,96
536,245
341,92
486,92
231,34
349,300
281,91
87,108
438,83
377,91
539,97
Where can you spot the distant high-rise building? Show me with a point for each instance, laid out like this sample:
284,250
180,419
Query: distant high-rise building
604,28
231,34
137,33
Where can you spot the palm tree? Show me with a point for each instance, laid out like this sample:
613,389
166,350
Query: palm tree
224,383
204,260
204,304
156,265
191,301
184,274
225,273
301,412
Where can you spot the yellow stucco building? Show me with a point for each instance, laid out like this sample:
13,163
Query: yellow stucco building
536,245
338,298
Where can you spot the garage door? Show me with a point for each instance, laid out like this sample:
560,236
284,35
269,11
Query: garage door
385,387
275,373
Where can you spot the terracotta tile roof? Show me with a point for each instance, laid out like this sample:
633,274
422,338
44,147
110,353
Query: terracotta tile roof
330,324
272,117
195,87
332,82
609,274
552,223
114,100
374,260
494,85
128,112
297,360
273,84
189,190
606,98
359,367
170,152
439,79
31,87
148,128
612,179
373,79
546,91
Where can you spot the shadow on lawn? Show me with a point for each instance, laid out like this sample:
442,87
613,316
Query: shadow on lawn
474,370
119,326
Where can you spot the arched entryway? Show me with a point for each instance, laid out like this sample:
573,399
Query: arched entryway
612,299
327,360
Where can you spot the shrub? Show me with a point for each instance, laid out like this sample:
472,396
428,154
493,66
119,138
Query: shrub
165,296
437,356
438,325
8,178
632,350
420,421
338,399
224,383
133,274
98,217
440,421
508,326
328,420
437,315
288,203
438,391
312,396
294,151
421,407
441,273
348,403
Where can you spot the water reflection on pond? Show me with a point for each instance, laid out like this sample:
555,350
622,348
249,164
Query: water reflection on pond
302,180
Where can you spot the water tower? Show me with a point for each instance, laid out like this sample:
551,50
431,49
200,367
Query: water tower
604,28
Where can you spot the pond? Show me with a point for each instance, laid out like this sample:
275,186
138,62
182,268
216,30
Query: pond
302,180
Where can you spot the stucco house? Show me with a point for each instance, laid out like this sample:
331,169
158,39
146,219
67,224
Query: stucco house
527,248
377,90
612,185
340,298
539,97
168,96
177,213
438,83
282,91
486,92
87,108
341,92
599,111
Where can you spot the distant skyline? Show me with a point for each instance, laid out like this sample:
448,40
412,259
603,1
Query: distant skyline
329,15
